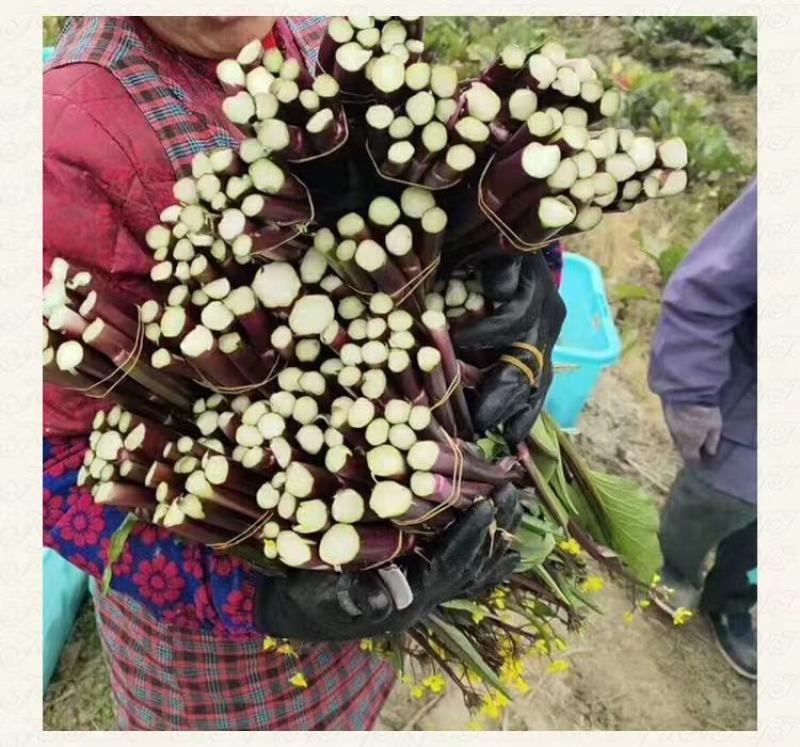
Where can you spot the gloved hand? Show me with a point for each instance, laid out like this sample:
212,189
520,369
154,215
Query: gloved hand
469,559
695,429
520,336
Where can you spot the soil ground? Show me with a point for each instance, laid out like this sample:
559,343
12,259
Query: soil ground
646,675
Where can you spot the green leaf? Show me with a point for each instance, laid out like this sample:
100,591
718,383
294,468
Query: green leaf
396,649
493,446
633,523
719,56
477,611
540,526
551,584
115,548
451,638
544,439
586,517
668,261
549,499
533,548
616,512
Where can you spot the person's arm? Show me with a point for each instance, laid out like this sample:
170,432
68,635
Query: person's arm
705,300
96,209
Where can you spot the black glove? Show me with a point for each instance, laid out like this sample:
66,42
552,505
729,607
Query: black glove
524,329
469,560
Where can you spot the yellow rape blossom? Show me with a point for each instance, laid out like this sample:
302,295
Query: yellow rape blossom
521,686
592,584
498,599
512,667
570,546
268,644
681,616
298,680
493,705
474,725
628,617
478,616
366,644
656,580
435,683
558,666
417,691
559,644
541,647
644,603
287,650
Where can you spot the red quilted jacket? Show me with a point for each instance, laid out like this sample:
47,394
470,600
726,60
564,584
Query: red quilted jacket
106,179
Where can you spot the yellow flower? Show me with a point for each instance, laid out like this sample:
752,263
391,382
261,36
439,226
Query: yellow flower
628,617
492,707
478,616
558,666
514,667
570,546
268,644
521,686
474,725
498,599
417,691
287,650
366,644
298,680
656,580
644,603
406,679
435,683
559,644
541,647
592,584
681,616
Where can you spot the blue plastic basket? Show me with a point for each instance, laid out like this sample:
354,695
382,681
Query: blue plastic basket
64,588
588,342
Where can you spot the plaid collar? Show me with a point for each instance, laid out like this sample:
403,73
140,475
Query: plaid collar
147,70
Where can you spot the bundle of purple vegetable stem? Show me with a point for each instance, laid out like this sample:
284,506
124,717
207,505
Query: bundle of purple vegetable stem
290,393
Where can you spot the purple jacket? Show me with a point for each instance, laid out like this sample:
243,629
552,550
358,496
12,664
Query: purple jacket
704,350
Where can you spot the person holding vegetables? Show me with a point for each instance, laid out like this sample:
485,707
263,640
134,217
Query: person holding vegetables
703,366
127,103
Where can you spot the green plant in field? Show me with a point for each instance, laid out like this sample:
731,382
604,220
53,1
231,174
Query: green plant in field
51,29
726,42
475,41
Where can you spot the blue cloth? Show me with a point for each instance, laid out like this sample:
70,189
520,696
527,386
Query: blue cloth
704,350
185,584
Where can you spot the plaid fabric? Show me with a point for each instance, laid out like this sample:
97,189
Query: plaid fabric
166,679
125,47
